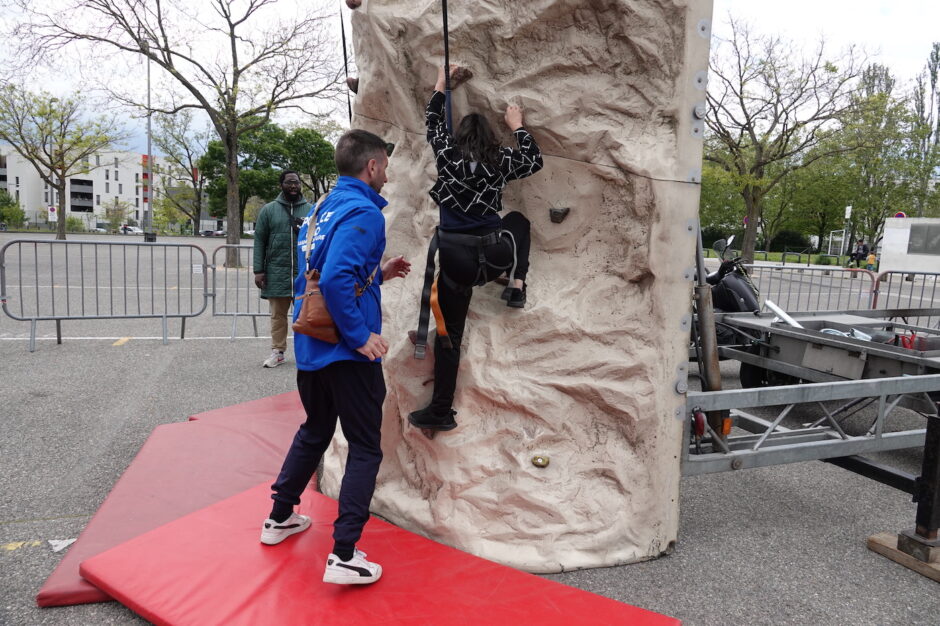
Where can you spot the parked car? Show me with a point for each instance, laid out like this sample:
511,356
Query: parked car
131,230
206,233
99,230
250,231
220,233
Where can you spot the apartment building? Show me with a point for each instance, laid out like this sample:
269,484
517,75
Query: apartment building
110,176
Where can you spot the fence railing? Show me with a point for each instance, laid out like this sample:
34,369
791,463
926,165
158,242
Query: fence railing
44,280
804,289
912,292
233,286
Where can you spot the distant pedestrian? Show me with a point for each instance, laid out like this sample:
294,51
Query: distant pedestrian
860,254
275,240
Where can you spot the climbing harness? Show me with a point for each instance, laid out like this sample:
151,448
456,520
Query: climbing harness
429,300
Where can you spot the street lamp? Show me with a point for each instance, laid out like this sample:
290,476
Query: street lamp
149,235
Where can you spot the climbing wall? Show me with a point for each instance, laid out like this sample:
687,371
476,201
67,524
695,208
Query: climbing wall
590,374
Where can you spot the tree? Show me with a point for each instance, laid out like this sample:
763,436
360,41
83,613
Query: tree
263,154
881,171
115,213
56,136
10,212
311,155
183,185
768,106
166,214
260,159
925,136
251,59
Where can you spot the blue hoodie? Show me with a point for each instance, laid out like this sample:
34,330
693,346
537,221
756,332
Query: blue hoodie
348,244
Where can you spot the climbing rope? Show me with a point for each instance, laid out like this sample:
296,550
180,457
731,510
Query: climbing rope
342,30
448,115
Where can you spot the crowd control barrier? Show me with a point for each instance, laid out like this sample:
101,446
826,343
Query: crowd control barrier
48,280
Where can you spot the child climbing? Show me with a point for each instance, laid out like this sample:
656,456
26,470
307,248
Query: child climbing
476,245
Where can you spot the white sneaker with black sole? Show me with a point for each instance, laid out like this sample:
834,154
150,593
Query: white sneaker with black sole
355,571
275,532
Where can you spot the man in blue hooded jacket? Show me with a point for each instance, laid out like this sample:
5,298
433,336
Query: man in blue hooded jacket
345,379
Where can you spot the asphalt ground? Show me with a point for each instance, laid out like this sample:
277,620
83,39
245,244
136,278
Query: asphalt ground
780,545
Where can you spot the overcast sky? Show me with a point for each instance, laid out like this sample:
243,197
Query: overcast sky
896,33
901,32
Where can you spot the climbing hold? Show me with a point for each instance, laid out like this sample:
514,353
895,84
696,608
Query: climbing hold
558,215
540,461
459,76
353,84
353,4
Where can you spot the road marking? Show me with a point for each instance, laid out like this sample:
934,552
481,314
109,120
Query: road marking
121,341
16,545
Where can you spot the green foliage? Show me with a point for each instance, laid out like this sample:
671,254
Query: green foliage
310,154
74,224
262,155
10,212
793,240
823,260
116,213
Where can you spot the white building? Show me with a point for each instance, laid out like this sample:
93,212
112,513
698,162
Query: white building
112,175
910,244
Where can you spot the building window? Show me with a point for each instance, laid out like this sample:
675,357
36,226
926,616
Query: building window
17,181
97,159
120,187
137,215
137,202
107,187
137,190
45,197
107,174
115,162
98,199
925,239
136,177
17,196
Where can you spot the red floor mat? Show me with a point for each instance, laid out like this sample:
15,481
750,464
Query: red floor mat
284,406
209,568
181,468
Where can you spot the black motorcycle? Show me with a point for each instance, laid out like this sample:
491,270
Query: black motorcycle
732,290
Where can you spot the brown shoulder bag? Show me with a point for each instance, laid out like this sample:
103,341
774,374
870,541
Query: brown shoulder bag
314,319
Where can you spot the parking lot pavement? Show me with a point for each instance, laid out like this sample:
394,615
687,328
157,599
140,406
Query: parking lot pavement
779,545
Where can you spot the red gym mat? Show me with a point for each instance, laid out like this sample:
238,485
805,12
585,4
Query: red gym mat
282,407
181,468
210,568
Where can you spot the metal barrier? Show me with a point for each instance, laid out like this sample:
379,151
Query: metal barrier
805,289
80,280
233,287
916,293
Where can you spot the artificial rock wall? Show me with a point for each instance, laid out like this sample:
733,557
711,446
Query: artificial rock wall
587,373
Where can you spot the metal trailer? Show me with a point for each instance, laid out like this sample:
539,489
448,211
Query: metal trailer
831,365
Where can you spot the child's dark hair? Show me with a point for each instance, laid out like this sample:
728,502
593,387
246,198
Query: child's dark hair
477,141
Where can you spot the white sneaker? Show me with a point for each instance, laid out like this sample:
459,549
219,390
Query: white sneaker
275,532
276,358
355,571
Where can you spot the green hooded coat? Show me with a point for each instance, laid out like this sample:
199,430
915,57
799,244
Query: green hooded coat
275,243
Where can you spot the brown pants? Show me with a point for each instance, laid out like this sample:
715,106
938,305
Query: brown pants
280,308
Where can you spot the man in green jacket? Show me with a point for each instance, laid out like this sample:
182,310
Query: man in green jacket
275,241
